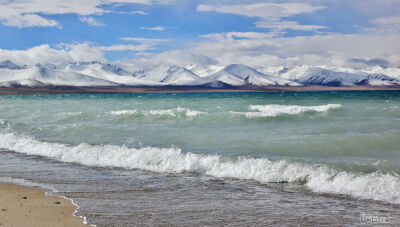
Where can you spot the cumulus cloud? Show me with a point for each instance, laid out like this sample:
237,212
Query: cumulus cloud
260,50
371,62
31,13
62,53
27,20
256,50
262,10
355,44
174,57
156,28
46,54
385,24
377,46
270,14
139,12
91,21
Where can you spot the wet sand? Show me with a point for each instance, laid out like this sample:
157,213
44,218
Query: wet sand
180,89
26,206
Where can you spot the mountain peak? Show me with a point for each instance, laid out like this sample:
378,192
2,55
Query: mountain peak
9,65
237,67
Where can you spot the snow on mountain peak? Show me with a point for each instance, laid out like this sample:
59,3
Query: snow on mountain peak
309,75
9,65
240,75
180,76
234,75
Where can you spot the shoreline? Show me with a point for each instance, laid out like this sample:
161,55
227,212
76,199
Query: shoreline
181,89
32,206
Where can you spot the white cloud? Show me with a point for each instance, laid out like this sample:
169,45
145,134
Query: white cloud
139,12
121,47
385,24
21,13
261,50
144,2
174,57
293,25
394,20
258,49
91,21
27,20
45,54
156,28
262,10
144,40
63,53
270,14
247,35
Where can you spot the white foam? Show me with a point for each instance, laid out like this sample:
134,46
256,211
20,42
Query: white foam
71,113
273,110
123,112
190,113
175,113
160,112
318,178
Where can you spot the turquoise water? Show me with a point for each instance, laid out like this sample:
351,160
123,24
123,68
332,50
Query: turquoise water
336,143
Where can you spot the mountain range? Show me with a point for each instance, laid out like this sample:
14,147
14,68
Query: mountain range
235,75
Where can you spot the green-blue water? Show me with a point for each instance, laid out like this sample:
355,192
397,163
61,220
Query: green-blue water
340,143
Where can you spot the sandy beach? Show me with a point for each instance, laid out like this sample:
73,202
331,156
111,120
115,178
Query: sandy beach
26,206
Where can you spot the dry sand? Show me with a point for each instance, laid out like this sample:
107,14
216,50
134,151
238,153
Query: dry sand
26,206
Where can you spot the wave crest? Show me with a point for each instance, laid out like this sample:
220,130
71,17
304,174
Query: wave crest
318,178
175,113
274,110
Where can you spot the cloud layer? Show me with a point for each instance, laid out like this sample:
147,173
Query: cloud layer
270,14
32,13
267,34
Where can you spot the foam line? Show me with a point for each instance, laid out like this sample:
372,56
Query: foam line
318,178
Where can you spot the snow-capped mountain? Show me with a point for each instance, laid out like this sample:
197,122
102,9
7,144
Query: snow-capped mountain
156,74
381,80
168,75
94,67
39,76
391,72
308,75
241,75
107,72
180,76
204,70
231,76
7,64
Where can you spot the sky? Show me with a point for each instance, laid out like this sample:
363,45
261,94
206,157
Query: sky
145,33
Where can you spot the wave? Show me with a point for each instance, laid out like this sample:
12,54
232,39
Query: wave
318,178
175,113
274,110
5,122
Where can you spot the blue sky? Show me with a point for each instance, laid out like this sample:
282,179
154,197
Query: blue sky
203,29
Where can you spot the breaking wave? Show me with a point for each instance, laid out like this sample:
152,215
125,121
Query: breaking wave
273,110
318,178
177,112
